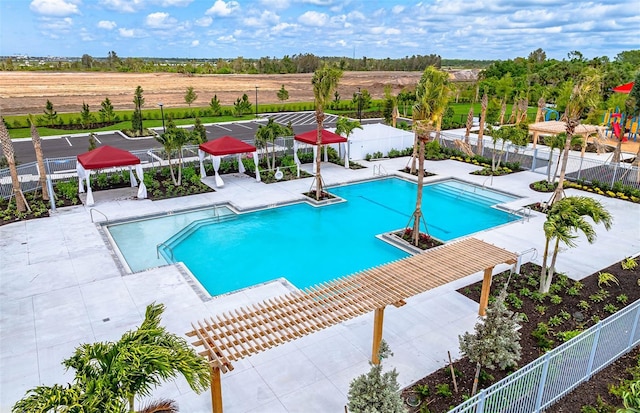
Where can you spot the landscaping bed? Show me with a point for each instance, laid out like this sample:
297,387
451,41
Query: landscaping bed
550,319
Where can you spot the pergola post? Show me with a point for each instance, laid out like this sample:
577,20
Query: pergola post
377,335
216,390
484,294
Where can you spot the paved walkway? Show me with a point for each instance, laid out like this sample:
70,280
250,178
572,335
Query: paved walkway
61,285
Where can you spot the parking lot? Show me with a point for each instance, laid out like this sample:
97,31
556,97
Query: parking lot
72,145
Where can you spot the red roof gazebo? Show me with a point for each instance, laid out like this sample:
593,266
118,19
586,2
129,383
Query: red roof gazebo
225,145
108,157
326,138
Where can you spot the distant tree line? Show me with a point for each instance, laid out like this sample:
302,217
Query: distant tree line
298,63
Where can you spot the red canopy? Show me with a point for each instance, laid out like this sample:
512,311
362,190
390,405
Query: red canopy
626,88
226,145
107,156
327,138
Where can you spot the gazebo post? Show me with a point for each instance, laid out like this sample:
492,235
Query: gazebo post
377,334
484,294
216,390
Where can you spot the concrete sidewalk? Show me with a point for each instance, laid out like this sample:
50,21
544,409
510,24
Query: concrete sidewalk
61,285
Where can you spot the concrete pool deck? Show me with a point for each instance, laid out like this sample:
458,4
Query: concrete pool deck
60,286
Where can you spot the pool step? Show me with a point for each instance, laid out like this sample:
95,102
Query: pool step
165,247
465,195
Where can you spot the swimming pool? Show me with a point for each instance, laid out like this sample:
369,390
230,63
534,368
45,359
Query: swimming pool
308,245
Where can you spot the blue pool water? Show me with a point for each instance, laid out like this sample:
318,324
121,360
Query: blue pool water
309,245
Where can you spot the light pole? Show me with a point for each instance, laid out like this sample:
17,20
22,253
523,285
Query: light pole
256,101
359,105
162,114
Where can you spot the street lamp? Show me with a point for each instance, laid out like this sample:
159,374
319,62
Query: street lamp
256,101
359,105
162,114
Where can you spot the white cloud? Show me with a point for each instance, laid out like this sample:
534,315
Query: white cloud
56,25
220,8
319,2
54,7
204,21
275,4
159,20
130,33
175,3
227,39
123,6
313,18
392,31
397,9
195,43
266,18
280,27
107,24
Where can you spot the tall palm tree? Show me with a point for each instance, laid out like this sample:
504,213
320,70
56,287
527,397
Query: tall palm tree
7,150
483,117
432,93
268,134
325,82
566,217
585,95
37,146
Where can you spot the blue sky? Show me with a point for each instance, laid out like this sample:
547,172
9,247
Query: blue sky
481,29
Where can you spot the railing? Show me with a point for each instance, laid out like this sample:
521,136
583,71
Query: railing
379,170
101,213
543,382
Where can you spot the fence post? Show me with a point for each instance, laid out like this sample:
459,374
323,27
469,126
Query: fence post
580,168
506,155
481,398
543,381
535,157
48,166
52,198
633,327
613,178
594,347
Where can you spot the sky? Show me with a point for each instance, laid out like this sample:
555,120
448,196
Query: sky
453,29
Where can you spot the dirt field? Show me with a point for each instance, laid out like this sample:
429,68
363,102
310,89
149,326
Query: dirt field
27,92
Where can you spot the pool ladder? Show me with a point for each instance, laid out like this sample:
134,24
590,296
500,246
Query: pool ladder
525,212
378,170
101,213
168,248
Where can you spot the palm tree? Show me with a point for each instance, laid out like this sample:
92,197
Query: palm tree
345,126
268,134
564,218
37,146
110,375
585,95
432,93
554,142
483,117
469,125
325,82
173,140
7,150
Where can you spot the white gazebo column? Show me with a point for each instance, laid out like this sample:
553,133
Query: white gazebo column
326,155
240,164
142,189
255,161
132,177
90,201
216,166
81,176
295,157
315,159
201,155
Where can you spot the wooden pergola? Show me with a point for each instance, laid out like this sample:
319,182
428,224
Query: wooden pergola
249,330
555,127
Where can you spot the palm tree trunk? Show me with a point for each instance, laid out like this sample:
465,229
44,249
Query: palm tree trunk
417,214
549,166
414,154
319,121
469,125
483,116
571,127
552,267
7,150
543,271
37,146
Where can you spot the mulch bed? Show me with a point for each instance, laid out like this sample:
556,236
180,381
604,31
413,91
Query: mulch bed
570,314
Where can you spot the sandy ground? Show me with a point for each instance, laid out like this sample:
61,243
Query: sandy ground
27,92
